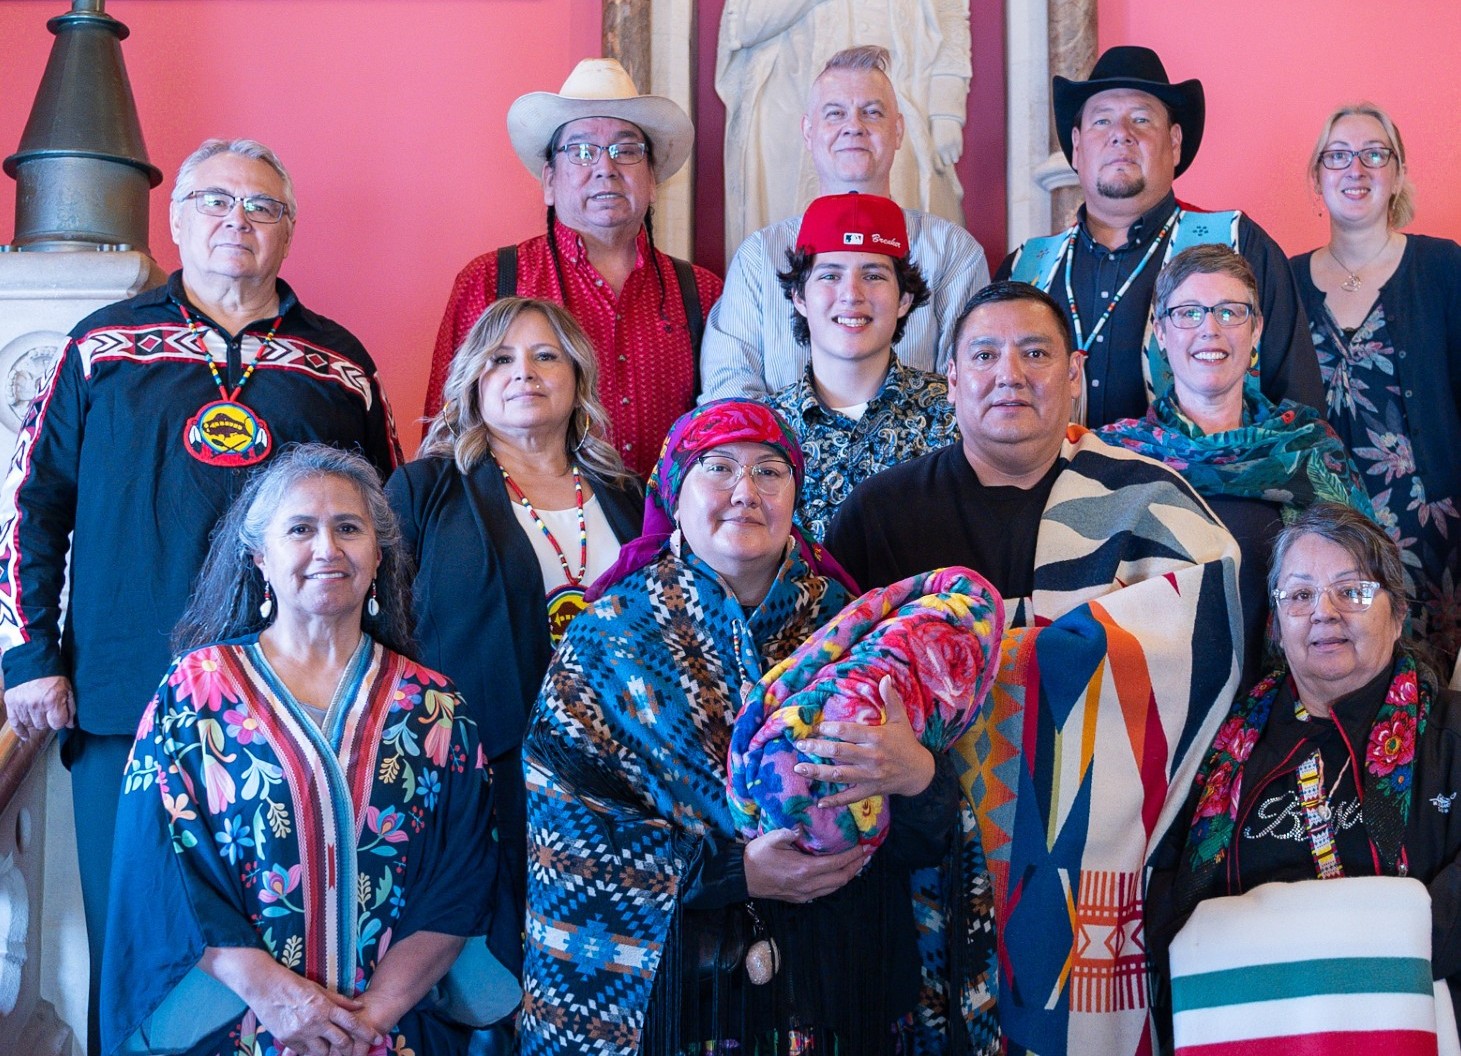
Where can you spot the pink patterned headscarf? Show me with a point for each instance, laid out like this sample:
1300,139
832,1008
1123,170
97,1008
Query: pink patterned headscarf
711,425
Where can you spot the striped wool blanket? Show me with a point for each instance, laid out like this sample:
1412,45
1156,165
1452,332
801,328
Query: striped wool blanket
1309,968
1113,678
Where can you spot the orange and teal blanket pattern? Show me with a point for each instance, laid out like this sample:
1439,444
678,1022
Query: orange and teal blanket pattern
1113,678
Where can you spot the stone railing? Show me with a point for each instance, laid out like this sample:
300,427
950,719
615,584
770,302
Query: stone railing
29,1024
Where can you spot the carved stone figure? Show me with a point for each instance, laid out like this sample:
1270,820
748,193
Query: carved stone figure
769,52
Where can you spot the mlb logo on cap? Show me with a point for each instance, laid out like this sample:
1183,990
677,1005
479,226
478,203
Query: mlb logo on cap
838,221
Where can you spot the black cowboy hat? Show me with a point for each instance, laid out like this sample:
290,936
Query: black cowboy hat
1142,69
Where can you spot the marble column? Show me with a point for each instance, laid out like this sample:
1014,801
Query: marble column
655,42
1072,42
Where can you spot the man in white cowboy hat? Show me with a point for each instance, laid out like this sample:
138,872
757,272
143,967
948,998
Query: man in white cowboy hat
600,149
1129,132
853,130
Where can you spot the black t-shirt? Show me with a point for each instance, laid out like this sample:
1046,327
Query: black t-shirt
1254,524
1273,839
932,512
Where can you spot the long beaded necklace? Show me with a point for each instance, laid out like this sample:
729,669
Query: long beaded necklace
565,601
1083,341
227,432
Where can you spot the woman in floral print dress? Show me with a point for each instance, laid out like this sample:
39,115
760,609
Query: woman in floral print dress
1385,311
306,815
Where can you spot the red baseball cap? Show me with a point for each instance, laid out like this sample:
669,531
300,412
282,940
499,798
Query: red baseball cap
853,222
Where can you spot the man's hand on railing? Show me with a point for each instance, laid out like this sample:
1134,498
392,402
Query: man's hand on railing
39,705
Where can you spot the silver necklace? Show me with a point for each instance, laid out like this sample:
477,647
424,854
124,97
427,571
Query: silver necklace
1352,280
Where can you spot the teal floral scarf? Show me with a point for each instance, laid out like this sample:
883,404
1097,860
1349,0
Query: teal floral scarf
1284,453
1389,765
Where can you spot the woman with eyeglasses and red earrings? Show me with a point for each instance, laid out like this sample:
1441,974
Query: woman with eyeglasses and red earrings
1384,307
1257,463
1344,761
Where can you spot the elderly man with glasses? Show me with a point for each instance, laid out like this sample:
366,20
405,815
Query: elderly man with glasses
157,410
600,150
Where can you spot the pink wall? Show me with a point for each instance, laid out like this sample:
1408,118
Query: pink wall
389,113
1273,71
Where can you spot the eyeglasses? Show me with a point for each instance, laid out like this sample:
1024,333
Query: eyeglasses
770,477
1350,595
1370,158
257,207
619,153
1227,313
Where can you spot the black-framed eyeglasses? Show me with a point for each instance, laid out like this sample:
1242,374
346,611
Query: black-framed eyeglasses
1227,313
627,153
770,476
259,208
1370,158
1348,595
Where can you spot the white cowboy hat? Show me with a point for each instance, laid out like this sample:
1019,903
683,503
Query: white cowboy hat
600,88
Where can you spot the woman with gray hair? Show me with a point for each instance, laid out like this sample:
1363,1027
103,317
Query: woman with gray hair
307,813
1384,307
157,408
1257,463
1345,759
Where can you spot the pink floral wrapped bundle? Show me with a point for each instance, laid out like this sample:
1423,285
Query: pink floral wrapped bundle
936,635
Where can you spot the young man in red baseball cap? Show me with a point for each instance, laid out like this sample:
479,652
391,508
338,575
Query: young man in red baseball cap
856,409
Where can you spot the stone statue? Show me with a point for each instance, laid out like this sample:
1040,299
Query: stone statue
769,52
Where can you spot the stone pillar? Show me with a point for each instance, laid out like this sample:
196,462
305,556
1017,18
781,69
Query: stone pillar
655,42
627,25
1072,43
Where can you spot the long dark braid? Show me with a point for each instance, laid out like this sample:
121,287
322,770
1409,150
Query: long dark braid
550,157
659,275
553,252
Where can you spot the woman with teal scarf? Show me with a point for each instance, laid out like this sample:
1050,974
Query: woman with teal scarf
1258,464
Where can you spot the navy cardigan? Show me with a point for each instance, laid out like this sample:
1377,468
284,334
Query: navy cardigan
1422,302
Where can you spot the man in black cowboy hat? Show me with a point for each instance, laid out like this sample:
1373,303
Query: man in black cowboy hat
1129,132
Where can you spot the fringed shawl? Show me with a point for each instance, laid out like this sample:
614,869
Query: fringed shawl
625,766
1283,453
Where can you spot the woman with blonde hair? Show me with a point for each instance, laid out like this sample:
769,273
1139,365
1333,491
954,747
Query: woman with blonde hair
1384,307
515,503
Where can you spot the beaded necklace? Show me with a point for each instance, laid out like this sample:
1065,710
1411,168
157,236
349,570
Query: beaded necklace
522,500
1083,341
567,601
226,432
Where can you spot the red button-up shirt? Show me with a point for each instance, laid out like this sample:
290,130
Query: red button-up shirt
646,365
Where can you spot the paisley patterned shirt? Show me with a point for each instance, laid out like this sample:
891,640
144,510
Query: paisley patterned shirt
910,416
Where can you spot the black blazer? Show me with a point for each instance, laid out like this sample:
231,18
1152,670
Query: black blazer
480,600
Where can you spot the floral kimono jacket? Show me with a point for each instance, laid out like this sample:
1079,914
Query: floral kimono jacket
245,822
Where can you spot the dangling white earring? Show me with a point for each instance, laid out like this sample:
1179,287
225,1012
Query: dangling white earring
372,606
267,605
